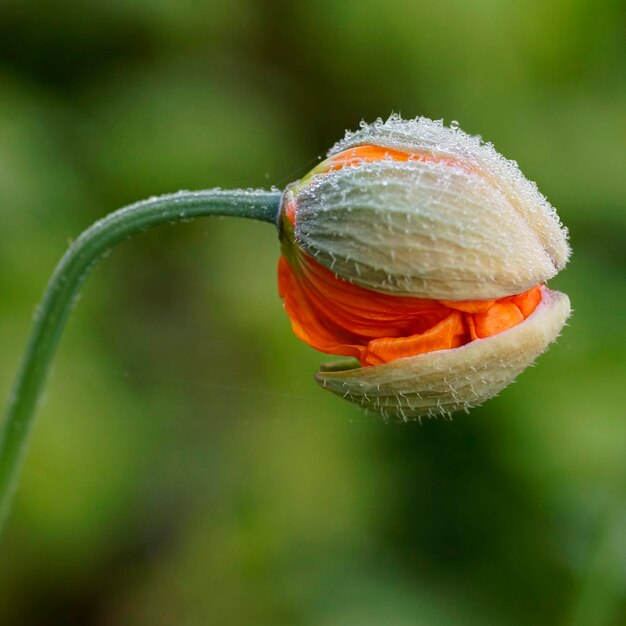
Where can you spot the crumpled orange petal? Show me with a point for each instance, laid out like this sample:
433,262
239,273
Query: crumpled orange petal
337,317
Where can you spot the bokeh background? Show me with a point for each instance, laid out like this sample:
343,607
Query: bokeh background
185,469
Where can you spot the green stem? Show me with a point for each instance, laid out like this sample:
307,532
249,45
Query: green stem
61,292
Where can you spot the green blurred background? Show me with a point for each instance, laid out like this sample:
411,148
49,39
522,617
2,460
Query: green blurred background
185,468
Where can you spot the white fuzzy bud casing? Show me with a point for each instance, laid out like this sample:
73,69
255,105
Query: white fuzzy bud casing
441,382
462,224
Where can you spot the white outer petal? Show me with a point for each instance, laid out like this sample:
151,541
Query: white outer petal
445,381
420,229
423,135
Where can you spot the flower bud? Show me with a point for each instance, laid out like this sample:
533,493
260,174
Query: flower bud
420,251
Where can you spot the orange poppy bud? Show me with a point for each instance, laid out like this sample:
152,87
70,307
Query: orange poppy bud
420,251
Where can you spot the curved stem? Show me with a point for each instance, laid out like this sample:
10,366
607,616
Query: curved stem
63,288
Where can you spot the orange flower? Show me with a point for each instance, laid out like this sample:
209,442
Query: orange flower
337,317
410,239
